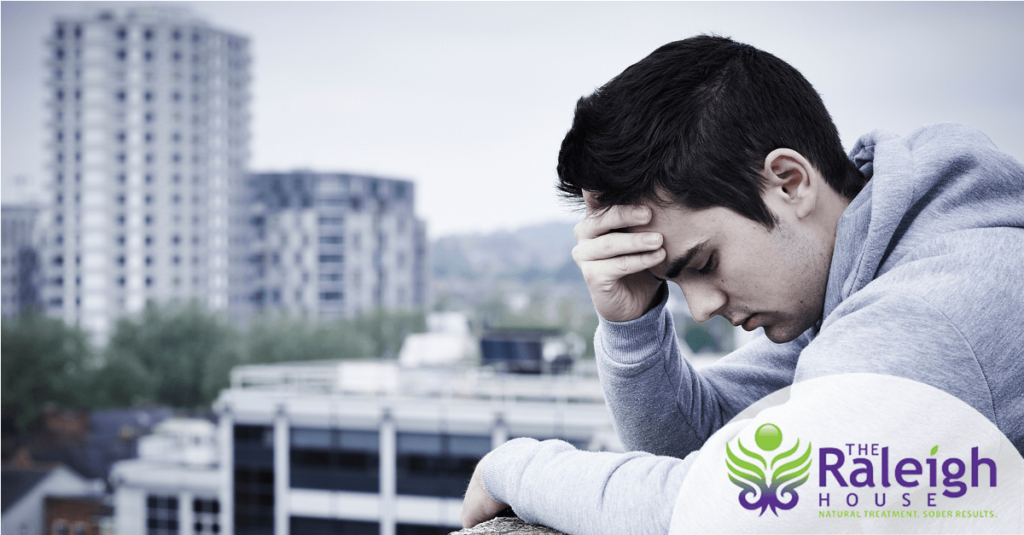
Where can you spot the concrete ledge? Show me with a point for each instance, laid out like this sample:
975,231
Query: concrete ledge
507,526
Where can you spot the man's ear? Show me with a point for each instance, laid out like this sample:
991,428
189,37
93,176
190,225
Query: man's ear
792,181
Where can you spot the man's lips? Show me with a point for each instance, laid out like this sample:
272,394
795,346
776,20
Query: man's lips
751,323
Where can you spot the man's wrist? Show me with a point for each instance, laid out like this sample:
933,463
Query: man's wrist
500,468
631,342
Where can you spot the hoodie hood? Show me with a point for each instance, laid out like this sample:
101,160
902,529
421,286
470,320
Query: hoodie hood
940,179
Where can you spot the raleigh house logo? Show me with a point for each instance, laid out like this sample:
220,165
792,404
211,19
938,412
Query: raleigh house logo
787,470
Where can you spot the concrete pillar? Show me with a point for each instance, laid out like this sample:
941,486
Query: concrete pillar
185,516
282,478
226,442
499,433
388,452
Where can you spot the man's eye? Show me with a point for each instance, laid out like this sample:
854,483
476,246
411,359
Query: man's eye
709,266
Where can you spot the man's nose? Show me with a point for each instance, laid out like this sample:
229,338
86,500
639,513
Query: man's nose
705,301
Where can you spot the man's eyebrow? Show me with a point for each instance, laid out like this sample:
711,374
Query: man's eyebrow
679,264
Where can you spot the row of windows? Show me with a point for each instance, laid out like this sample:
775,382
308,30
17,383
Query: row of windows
162,515
150,158
148,34
123,179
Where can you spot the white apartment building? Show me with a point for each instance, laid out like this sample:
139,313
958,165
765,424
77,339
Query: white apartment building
327,245
149,132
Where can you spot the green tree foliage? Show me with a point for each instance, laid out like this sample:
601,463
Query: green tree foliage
281,339
182,355
174,354
44,361
387,330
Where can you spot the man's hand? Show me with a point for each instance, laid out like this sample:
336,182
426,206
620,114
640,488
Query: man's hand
614,264
478,506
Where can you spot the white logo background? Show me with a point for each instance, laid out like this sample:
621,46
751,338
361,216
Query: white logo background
908,417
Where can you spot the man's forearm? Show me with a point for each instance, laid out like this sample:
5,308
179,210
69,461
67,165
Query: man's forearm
577,492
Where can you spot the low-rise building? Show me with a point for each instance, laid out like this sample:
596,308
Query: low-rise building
26,489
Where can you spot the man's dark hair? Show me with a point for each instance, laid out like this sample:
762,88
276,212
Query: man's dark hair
695,120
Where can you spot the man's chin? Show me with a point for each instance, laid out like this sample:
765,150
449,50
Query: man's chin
782,333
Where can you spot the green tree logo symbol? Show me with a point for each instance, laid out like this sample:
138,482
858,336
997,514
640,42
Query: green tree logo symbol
750,471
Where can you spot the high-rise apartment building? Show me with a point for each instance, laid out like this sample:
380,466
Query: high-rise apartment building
327,245
149,131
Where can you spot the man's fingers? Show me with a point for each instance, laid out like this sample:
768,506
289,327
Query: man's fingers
598,273
616,244
616,217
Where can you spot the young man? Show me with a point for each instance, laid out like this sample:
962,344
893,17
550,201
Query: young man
715,166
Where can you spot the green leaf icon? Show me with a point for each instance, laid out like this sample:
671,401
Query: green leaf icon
935,450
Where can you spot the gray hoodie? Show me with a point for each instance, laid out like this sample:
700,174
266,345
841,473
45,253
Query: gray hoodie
926,283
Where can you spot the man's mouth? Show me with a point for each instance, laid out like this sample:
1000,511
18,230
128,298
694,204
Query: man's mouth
751,323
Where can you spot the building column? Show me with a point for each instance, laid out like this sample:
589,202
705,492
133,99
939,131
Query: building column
282,478
499,433
226,443
387,474
185,517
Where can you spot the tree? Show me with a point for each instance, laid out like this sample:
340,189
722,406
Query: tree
44,361
174,354
387,329
281,339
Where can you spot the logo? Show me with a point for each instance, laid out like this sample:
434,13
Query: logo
768,484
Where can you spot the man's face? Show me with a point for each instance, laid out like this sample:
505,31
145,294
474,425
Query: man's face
730,266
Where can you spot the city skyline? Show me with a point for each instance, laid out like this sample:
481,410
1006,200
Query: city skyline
470,101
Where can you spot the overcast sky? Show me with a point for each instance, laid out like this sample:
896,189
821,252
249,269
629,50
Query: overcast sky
471,100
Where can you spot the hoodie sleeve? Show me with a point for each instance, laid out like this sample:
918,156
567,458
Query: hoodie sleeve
582,492
660,404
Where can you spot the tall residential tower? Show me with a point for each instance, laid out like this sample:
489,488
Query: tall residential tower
149,133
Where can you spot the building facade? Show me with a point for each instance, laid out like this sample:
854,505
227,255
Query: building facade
22,278
350,447
327,245
149,132
376,448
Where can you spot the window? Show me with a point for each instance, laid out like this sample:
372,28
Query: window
204,513
332,526
254,479
335,459
420,529
437,464
161,515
